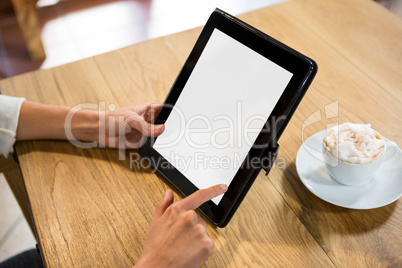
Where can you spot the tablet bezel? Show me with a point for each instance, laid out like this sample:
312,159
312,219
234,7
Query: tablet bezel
303,70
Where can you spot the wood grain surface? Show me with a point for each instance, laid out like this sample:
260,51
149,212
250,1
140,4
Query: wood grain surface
12,174
91,209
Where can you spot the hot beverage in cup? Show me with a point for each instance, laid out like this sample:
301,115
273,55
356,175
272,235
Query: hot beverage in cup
353,153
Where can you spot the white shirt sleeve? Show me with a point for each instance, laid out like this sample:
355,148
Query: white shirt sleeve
9,113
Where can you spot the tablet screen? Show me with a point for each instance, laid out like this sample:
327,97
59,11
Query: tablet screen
225,103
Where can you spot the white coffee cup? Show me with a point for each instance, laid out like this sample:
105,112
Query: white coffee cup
356,170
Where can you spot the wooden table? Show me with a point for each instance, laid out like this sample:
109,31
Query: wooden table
91,209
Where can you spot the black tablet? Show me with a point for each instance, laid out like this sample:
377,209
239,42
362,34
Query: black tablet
226,110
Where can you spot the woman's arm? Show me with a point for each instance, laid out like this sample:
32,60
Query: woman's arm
177,235
39,121
121,128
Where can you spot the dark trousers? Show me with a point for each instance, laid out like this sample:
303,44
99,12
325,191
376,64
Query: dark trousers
30,258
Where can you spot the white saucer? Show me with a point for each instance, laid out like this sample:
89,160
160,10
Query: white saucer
383,190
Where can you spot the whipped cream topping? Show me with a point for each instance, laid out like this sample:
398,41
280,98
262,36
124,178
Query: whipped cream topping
354,143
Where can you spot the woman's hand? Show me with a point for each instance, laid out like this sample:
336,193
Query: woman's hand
128,127
177,236
123,128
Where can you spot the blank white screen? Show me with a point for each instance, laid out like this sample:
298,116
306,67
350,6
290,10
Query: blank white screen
231,89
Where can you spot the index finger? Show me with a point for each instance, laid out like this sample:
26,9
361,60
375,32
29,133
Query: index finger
198,198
